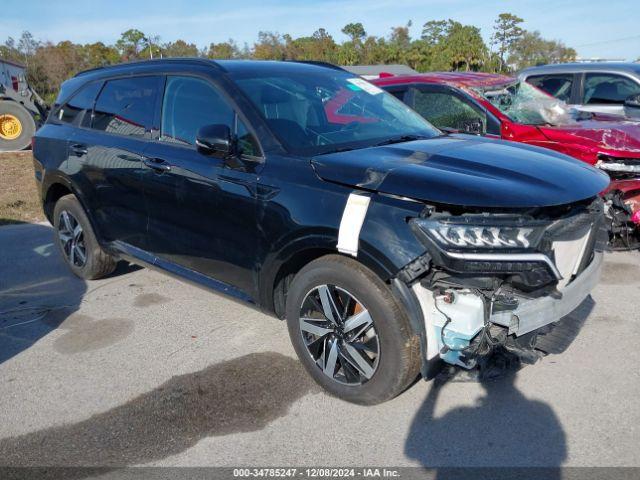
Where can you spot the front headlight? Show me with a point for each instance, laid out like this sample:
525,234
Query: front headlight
482,232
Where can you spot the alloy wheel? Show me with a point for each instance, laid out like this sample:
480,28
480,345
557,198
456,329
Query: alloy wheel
339,334
71,238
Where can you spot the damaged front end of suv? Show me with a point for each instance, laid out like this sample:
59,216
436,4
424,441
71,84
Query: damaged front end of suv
511,240
491,282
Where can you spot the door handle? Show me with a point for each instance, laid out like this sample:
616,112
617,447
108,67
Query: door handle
157,164
78,149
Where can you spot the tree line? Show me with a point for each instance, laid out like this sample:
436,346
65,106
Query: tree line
443,45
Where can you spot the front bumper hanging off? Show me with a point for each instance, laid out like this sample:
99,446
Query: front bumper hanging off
464,318
532,314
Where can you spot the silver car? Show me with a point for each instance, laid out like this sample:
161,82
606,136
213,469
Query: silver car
612,88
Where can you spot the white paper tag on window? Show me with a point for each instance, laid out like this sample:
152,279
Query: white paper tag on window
364,85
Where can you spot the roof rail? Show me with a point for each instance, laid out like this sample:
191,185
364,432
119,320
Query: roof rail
154,61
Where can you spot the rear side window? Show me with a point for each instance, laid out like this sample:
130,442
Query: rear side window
189,104
445,110
558,86
78,110
126,106
608,89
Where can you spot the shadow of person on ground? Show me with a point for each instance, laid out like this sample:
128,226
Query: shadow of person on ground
504,430
38,292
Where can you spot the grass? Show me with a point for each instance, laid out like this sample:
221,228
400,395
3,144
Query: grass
19,199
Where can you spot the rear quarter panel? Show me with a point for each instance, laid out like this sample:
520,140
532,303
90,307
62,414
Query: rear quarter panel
50,154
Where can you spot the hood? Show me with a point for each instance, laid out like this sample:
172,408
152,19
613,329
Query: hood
467,171
617,137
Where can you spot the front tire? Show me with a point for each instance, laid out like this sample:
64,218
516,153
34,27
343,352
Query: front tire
349,331
77,242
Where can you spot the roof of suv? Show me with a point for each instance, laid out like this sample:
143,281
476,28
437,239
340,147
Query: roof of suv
261,67
231,66
585,67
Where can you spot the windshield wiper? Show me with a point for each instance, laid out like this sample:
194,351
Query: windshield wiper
389,141
337,150
401,139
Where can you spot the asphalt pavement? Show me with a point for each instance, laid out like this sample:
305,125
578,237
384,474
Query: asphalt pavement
141,369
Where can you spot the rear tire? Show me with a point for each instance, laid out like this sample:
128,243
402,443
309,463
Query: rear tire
17,126
367,364
77,242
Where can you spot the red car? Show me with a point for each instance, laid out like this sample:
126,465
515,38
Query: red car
502,107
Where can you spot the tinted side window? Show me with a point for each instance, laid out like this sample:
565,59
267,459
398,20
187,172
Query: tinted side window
78,109
190,103
246,141
604,88
558,86
445,110
125,106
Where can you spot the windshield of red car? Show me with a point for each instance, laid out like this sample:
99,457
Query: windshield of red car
322,113
524,103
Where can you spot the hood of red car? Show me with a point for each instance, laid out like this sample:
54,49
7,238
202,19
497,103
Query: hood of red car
617,137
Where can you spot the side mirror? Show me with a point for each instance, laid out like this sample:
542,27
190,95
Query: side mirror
215,140
632,101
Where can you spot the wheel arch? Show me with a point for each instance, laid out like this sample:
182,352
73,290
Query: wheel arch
54,193
57,186
280,271
275,298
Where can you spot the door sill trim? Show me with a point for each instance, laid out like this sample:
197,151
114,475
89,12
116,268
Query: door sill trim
147,259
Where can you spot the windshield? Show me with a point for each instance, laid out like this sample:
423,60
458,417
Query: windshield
524,103
333,111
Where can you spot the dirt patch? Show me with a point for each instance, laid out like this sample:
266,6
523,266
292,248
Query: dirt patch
92,335
149,299
240,395
19,201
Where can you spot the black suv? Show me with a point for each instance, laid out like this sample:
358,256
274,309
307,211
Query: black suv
387,245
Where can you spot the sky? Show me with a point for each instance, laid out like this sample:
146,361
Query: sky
595,28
